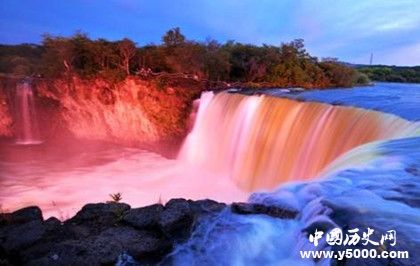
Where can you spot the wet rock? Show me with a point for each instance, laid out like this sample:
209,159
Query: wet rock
141,244
176,220
253,208
5,219
99,216
105,248
206,206
144,218
5,262
20,236
75,252
21,216
101,233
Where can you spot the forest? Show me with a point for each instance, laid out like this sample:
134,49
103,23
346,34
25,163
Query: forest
392,73
286,65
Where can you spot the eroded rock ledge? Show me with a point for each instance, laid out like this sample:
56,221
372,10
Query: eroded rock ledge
100,233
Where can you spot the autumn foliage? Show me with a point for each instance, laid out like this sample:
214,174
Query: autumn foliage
285,65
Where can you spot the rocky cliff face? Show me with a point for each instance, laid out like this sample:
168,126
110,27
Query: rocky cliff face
132,111
5,117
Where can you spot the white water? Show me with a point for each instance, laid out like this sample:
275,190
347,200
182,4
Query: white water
27,128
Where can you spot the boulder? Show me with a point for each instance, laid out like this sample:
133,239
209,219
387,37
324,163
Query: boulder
142,245
253,208
206,206
105,248
145,217
99,216
21,216
101,233
177,219
20,236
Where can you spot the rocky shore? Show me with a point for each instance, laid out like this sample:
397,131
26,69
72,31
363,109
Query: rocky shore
107,233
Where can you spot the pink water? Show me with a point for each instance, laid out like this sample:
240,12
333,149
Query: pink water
62,177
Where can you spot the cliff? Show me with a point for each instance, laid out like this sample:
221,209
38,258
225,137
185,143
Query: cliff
5,117
129,112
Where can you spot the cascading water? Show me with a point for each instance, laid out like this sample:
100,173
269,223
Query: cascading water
365,167
263,141
27,130
370,162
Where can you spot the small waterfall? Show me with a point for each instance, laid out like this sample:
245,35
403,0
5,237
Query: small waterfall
27,129
263,141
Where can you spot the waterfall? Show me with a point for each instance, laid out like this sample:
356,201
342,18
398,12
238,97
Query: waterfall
263,141
364,165
27,130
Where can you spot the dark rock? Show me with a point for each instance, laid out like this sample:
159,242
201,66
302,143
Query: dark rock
74,252
99,216
99,233
21,216
4,262
142,245
20,236
5,219
206,206
253,208
52,222
105,248
144,218
176,219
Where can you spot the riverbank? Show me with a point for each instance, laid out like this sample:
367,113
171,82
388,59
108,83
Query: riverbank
104,233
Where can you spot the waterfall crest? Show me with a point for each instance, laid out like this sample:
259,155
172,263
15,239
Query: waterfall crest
263,141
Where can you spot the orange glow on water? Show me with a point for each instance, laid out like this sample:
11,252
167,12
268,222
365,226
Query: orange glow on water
263,141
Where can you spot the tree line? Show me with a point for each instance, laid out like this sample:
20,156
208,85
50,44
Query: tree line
288,64
392,73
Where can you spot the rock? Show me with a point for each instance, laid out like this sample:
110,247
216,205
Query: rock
20,236
142,245
75,252
101,233
144,218
21,216
253,208
206,206
99,216
176,219
5,219
105,248
4,262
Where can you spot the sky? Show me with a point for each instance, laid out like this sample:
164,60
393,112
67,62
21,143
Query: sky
347,29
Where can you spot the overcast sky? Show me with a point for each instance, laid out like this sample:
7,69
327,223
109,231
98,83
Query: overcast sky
348,29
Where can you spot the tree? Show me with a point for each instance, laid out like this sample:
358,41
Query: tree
127,50
338,74
104,53
173,37
216,61
59,55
